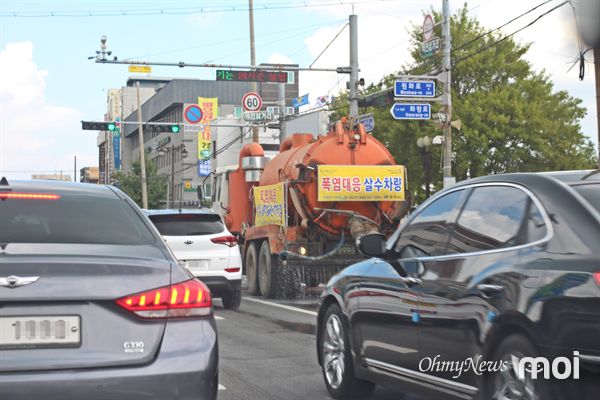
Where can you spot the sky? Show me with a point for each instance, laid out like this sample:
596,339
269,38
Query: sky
48,85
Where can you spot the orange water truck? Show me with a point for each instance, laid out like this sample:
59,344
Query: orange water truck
294,238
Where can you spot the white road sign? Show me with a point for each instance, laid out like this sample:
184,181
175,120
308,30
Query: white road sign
251,101
428,26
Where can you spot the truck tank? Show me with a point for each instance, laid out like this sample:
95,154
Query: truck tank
298,162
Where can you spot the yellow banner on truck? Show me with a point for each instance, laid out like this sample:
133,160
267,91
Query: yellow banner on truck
361,182
269,205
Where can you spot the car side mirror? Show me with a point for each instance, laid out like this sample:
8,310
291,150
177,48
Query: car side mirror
372,245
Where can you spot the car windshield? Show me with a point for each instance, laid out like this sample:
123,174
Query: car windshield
591,192
71,219
188,224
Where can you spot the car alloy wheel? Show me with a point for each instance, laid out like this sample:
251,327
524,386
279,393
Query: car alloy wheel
508,385
333,351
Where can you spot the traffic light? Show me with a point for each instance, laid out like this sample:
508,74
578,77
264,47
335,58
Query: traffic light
379,99
98,126
171,128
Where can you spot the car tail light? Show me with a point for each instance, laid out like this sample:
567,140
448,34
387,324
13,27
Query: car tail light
232,270
185,299
228,240
29,196
597,278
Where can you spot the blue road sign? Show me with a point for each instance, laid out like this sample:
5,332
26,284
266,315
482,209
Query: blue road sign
368,121
192,114
414,89
411,111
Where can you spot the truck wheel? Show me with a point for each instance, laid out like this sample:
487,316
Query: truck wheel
268,271
251,270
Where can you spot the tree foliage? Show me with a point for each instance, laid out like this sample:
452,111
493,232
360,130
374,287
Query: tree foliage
131,183
512,118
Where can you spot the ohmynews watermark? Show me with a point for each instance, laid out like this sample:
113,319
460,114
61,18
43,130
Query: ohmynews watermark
530,367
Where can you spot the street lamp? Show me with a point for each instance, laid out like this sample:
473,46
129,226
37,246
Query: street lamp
423,143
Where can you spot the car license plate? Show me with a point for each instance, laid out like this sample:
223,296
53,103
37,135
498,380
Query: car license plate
197,265
39,331
347,249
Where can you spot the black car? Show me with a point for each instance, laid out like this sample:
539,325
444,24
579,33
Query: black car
490,290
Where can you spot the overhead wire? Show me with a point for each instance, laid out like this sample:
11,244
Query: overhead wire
496,42
183,10
466,44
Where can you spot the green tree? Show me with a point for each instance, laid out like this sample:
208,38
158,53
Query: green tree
512,118
131,183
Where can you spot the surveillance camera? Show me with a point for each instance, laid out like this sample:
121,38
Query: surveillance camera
103,39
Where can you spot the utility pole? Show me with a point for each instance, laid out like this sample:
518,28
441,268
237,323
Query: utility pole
75,168
282,112
597,69
446,96
142,151
172,192
252,59
353,67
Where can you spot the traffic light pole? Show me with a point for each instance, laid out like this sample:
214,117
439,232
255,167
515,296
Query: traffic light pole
142,149
253,85
353,66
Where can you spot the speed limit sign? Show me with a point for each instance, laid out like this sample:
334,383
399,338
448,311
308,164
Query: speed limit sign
251,102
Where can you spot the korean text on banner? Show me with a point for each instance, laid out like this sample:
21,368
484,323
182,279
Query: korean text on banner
269,205
210,111
361,182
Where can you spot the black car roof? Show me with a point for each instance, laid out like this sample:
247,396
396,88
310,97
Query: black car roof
568,177
58,187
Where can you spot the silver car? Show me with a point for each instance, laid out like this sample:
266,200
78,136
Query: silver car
93,304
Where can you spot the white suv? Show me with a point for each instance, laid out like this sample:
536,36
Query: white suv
199,239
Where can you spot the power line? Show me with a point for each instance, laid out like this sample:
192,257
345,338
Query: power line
238,39
509,35
181,10
501,26
328,44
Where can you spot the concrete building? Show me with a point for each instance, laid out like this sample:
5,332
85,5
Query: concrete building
89,175
167,149
120,103
52,177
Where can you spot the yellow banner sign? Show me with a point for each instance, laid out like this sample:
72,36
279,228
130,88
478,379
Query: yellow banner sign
210,111
144,69
269,205
361,183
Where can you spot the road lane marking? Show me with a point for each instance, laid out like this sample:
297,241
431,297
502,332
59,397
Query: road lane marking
221,387
218,318
300,310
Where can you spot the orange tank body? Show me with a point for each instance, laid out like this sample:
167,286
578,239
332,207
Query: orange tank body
295,163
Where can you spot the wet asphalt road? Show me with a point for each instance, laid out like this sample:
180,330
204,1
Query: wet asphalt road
269,353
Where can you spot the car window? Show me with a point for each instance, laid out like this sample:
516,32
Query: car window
72,219
187,224
491,219
591,193
536,226
428,232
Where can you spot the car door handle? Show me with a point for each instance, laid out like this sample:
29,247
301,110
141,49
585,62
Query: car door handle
488,290
411,281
